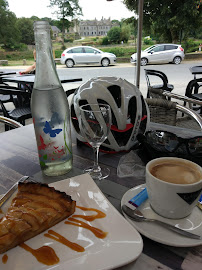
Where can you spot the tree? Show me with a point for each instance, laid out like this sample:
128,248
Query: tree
66,9
125,33
25,27
9,34
114,34
169,20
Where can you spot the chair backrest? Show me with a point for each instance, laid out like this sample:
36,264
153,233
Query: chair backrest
157,73
162,111
162,94
165,112
23,96
10,122
193,87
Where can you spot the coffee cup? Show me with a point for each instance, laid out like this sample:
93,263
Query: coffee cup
174,186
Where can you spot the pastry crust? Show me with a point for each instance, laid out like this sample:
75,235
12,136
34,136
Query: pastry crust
36,208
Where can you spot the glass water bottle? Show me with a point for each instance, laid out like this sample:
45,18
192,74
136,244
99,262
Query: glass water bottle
50,109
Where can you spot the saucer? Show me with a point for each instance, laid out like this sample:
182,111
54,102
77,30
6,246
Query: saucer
192,223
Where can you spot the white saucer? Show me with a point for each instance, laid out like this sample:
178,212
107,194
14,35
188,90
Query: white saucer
192,223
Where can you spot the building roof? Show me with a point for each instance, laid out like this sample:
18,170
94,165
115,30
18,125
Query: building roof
55,28
96,22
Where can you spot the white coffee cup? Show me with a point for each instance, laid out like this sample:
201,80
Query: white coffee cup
173,200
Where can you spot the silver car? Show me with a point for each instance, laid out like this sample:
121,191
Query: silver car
86,55
160,53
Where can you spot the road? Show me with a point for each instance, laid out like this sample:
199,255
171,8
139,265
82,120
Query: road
178,75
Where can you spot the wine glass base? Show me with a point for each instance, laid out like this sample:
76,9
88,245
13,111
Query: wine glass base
97,174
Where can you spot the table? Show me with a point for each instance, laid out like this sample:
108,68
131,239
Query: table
19,157
196,70
29,79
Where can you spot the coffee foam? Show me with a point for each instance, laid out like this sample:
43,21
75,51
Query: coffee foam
175,172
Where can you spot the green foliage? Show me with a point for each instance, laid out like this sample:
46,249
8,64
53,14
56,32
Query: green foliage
120,51
105,41
114,34
25,27
125,33
69,39
17,55
58,53
132,22
190,45
169,20
9,34
148,41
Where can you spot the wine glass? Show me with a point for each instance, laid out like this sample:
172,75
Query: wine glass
95,123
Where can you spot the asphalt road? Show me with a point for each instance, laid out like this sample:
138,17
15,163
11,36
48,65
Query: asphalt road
178,75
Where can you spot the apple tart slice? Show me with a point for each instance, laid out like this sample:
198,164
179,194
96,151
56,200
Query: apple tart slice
35,208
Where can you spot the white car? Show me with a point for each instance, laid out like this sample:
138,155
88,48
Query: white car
86,55
160,53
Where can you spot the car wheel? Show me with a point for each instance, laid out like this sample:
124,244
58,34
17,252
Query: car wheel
177,60
144,61
69,63
105,62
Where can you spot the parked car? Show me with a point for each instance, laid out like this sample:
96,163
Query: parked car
160,53
86,55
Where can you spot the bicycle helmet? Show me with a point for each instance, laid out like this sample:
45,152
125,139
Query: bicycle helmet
129,110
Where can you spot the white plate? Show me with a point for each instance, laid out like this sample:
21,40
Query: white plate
192,223
122,245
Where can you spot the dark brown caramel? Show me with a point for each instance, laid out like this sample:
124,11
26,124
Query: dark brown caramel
5,258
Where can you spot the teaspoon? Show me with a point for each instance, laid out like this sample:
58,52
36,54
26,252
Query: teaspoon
136,215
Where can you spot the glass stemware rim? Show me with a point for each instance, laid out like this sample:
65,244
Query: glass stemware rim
107,106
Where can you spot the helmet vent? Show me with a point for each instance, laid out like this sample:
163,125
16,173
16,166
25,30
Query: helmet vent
132,109
114,122
83,102
115,91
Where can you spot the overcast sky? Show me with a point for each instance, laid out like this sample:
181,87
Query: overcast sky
91,9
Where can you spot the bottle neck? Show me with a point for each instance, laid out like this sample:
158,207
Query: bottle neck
46,75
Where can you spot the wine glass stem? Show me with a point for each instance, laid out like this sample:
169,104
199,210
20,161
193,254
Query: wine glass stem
96,167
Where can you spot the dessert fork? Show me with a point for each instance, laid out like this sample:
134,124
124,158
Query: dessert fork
11,191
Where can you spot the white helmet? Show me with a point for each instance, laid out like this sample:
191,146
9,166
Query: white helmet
129,110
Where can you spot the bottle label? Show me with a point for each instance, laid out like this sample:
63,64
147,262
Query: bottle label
52,140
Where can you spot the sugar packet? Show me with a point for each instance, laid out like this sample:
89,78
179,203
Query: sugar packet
137,200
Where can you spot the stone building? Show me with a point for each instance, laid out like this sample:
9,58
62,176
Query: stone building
95,27
55,30
74,28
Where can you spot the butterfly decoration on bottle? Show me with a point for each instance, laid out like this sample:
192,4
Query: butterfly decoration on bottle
49,130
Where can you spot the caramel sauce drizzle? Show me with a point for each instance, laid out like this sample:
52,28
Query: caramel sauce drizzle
97,232
44,254
99,214
5,258
47,255
58,237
